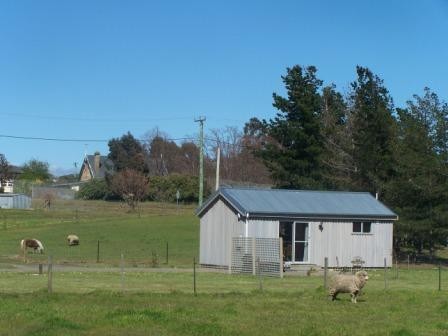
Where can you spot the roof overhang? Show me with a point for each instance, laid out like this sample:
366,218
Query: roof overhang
231,202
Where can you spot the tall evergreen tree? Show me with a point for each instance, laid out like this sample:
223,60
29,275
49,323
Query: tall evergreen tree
293,152
373,131
419,191
337,159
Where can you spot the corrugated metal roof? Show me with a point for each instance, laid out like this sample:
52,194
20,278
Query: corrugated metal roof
302,203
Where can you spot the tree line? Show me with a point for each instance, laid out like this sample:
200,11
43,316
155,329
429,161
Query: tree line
322,139
318,139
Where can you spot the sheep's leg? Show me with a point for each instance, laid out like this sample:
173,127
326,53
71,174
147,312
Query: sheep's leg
354,295
333,295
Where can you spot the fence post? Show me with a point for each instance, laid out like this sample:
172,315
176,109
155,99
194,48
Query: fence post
281,257
254,257
167,253
396,268
408,261
50,274
194,276
325,273
230,255
260,284
440,276
385,274
41,268
98,252
122,271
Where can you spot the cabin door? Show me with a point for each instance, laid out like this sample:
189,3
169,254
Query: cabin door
301,242
285,232
295,237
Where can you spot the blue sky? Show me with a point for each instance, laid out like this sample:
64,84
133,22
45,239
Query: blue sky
97,69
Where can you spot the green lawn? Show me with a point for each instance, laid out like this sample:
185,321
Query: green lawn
164,304
152,301
138,236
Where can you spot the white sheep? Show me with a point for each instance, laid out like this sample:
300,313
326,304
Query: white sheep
348,283
72,240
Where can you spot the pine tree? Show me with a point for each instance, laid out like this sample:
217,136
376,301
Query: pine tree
337,158
373,131
293,151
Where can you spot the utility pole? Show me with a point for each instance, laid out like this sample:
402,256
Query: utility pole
218,158
201,120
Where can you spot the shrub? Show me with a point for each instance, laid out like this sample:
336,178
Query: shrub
164,188
95,190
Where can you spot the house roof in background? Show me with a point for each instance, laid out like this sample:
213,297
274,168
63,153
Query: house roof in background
106,165
15,169
253,202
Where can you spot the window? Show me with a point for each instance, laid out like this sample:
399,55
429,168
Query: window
362,227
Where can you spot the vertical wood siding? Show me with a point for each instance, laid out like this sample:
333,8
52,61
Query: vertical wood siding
337,240
263,228
218,225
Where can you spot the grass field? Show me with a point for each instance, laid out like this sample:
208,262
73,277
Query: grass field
160,301
137,235
164,304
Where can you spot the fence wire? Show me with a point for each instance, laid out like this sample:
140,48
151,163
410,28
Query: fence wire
260,256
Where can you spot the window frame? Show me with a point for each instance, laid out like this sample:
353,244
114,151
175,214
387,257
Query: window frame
362,226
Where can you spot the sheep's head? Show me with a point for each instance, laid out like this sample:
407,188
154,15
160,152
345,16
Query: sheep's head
362,276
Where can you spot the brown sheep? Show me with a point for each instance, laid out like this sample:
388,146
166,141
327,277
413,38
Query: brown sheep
348,283
72,240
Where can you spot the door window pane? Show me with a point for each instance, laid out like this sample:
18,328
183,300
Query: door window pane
301,231
301,251
356,226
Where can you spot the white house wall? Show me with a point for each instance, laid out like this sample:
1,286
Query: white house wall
263,228
338,242
218,225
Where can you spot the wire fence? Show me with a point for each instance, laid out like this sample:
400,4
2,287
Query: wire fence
53,278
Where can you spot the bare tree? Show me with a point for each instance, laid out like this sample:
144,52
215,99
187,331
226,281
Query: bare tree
131,185
238,162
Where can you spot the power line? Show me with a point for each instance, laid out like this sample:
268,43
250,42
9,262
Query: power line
81,140
193,139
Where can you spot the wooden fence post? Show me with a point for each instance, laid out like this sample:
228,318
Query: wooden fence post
325,273
122,271
50,274
98,252
41,269
230,255
254,256
194,276
260,284
281,257
440,276
167,253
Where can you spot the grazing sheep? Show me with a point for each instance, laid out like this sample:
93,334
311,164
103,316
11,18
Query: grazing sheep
72,240
348,283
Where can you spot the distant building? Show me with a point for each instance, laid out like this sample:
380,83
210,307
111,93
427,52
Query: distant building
14,201
95,167
8,185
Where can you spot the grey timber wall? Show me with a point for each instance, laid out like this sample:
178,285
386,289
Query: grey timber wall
338,242
217,228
